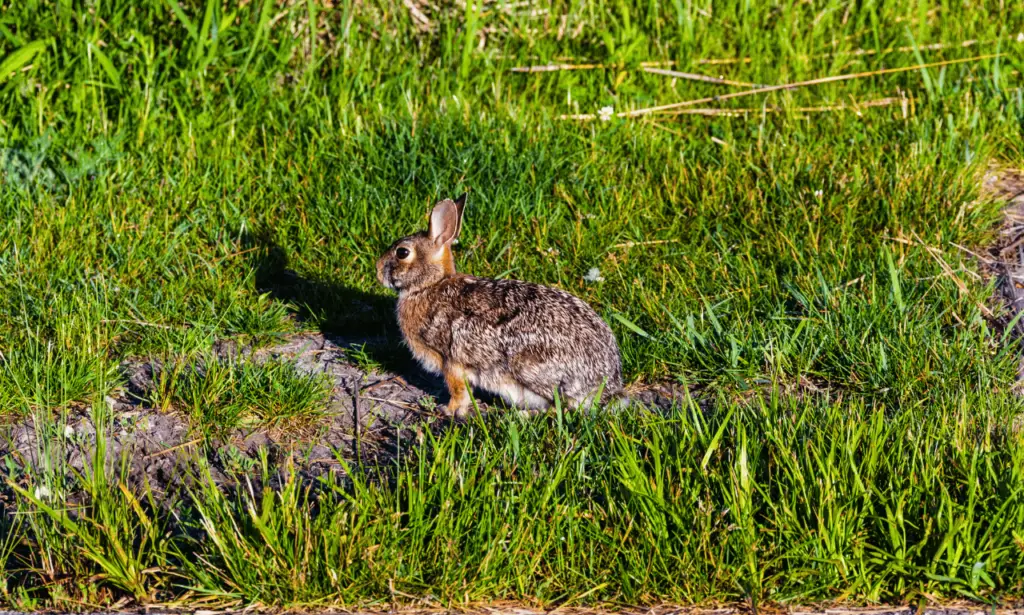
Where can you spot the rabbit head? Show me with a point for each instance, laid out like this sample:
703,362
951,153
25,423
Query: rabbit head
425,258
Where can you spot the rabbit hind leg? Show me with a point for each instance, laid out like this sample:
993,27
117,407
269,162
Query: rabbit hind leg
513,392
455,376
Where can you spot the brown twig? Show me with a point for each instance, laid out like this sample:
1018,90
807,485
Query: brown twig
393,402
357,414
173,448
397,379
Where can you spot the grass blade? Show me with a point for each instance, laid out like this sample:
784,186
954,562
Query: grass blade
20,58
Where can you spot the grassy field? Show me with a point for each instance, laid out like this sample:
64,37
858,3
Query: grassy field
803,265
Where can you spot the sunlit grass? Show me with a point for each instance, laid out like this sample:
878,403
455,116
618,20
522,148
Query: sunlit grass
175,173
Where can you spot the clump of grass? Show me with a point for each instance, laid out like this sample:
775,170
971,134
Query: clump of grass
220,396
363,359
83,536
41,376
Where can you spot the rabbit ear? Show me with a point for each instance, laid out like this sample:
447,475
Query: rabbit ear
446,221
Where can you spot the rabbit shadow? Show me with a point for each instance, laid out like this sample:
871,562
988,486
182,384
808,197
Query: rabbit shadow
363,323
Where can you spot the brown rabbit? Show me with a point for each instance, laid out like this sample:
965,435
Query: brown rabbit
518,340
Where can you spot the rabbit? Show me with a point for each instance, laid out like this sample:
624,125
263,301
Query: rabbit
520,341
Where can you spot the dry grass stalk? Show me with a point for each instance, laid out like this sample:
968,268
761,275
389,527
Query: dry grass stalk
173,448
854,106
947,270
855,52
546,68
801,84
697,77
143,323
653,242
551,68
789,86
422,21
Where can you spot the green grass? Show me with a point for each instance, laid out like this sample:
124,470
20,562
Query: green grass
219,396
777,500
165,163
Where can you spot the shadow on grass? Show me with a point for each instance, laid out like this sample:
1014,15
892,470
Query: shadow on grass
363,323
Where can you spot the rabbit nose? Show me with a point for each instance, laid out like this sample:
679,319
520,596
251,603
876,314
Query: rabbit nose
384,273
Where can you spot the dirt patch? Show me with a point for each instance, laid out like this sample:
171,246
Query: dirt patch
1006,257
366,414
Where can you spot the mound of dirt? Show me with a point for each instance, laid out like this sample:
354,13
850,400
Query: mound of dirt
364,412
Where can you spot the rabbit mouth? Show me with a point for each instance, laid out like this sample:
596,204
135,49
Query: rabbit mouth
384,276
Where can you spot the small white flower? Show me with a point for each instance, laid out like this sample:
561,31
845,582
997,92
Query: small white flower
69,432
819,193
1020,37
593,275
605,113
43,492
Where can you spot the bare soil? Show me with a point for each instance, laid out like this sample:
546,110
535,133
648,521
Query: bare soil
1006,256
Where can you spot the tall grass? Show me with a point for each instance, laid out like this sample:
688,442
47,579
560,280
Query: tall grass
773,500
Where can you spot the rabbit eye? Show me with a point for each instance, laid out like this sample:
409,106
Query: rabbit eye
402,253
